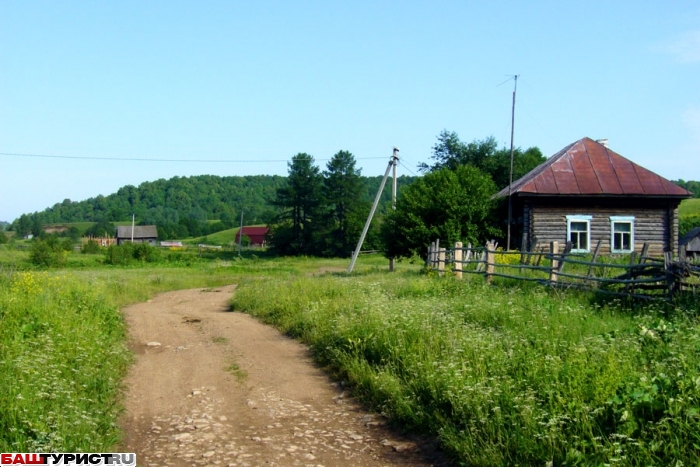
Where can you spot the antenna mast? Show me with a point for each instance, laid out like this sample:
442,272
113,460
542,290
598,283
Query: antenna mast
510,185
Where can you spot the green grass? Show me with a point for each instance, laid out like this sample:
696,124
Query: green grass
63,348
689,207
516,375
223,237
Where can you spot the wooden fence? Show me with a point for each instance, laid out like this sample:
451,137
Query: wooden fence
639,275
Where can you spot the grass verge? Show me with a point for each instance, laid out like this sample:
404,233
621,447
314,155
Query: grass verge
504,376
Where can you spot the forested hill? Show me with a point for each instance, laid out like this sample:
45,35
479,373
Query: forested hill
198,198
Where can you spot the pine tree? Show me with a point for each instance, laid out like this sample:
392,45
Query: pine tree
300,203
342,190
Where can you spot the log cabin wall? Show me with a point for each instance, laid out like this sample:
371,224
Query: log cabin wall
654,223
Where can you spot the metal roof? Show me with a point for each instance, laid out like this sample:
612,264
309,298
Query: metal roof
140,231
588,168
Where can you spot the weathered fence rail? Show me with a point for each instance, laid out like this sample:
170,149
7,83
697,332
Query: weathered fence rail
642,276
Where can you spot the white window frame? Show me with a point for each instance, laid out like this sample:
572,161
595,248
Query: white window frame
621,219
579,218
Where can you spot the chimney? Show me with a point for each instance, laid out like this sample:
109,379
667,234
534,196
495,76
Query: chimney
604,142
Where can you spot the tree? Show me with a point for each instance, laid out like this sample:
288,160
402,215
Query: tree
299,202
102,228
449,152
22,226
452,205
342,190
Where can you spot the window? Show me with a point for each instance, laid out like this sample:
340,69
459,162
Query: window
621,234
578,232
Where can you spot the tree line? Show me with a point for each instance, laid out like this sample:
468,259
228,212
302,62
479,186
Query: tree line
322,213
180,207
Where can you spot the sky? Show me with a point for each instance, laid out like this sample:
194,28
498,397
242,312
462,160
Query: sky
178,88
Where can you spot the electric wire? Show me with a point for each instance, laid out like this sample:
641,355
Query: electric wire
147,159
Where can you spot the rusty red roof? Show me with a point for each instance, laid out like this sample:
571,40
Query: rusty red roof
586,167
256,234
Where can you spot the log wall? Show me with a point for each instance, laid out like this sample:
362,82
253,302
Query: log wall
651,225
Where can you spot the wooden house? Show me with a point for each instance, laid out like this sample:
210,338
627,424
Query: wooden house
690,242
142,234
256,235
586,193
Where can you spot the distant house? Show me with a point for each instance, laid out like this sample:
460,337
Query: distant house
691,242
587,192
142,234
256,235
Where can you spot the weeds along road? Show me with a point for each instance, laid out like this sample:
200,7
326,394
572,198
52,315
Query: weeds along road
214,387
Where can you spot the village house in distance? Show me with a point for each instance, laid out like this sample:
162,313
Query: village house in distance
142,234
587,193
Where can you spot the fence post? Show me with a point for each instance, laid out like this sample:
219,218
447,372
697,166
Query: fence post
441,261
554,250
429,260
458,260
490,260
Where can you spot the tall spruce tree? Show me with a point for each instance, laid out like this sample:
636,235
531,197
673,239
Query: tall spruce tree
299,202
342,190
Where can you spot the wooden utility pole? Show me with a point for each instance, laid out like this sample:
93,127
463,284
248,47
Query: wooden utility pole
394,160
240,235
510,185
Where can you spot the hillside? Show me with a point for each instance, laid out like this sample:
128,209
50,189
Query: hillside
185,206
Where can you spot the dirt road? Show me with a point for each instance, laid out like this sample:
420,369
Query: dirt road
214,387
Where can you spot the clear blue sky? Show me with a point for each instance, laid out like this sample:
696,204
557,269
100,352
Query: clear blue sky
262,81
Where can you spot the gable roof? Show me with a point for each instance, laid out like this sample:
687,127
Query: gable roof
691,234
256,234
140,231
588,168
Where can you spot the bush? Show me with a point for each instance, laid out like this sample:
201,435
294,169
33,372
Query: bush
47,253
91,247
3,237
127,253
687,223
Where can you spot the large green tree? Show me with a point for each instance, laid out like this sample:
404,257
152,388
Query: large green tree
450,205
342,194
449,152
299,202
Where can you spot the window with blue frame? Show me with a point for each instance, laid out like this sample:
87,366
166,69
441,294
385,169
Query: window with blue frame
621,234
578,232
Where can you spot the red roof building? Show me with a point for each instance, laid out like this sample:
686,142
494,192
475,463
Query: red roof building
256,235
587,193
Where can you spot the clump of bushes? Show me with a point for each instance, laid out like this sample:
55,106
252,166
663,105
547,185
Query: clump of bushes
129,253
90,248
50,252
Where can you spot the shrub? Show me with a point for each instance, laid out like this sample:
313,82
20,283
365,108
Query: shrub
91,247
47,253
127,253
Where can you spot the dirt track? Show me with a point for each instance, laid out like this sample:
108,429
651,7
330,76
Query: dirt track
213,387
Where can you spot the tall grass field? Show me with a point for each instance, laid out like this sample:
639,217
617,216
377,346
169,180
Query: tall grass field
506,374
503,375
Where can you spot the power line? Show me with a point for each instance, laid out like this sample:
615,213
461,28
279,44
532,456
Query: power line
406,167
146,159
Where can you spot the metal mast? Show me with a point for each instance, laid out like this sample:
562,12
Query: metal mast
510,185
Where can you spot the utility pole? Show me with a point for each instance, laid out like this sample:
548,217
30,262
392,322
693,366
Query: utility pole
240,234
510,185
133,219
392,163
395,159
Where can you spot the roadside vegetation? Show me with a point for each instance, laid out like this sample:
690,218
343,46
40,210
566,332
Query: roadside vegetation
505,374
